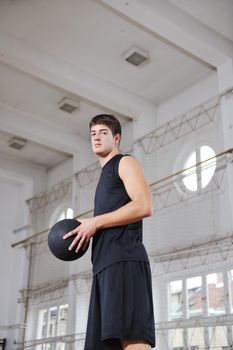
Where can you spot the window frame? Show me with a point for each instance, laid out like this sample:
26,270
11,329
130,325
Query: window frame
47,308
197,168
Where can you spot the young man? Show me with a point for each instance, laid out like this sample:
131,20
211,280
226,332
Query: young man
121,306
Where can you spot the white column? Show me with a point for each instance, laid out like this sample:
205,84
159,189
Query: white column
225,76
145,122
72,294
75,196
71,317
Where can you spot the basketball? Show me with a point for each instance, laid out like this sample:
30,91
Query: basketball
58,246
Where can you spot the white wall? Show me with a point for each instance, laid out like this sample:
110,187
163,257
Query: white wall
13,264
168,228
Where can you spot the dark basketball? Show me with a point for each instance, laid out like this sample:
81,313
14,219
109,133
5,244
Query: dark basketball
59,246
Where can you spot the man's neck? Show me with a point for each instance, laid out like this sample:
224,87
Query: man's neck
104,159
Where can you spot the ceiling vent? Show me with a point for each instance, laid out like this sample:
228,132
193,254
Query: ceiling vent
17,143
136,56
68,105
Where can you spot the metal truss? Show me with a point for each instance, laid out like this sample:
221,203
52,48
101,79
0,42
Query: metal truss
213,250
88,174
199,117
188,331
57,289
70,341
177,128
57,192
168,133
199,332
167,192
228,94
43,293
171,190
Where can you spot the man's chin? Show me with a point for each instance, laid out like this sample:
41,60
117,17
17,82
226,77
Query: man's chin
101,154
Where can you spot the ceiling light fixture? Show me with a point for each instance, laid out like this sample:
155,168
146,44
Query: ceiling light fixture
136,56
17,143
68,105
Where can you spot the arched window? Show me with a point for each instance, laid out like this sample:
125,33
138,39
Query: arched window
200,165
61,212
66,214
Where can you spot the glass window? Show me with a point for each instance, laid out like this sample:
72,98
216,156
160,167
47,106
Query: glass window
209,166
62,320
52,322
231,289
218,337
215,289
60,346
190,179
175,300
66,214
176,340
42,324
196,338
198,176
50,346
195,296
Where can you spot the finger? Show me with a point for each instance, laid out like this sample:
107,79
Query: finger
74,243
85,244
71,233
81,242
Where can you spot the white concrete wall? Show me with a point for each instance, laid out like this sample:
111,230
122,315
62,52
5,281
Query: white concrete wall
13,264
181,224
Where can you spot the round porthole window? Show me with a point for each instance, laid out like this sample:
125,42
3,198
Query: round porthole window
199,168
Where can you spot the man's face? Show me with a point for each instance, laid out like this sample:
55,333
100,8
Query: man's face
102,139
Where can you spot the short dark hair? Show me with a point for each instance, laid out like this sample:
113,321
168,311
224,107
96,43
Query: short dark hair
109,120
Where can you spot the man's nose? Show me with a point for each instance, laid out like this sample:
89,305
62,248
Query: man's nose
97,137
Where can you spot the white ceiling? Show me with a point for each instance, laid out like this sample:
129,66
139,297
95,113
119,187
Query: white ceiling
58,48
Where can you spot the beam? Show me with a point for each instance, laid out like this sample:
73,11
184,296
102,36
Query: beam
176,28
25,125
56,71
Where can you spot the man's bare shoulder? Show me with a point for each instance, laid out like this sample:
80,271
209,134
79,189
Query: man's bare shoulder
129,165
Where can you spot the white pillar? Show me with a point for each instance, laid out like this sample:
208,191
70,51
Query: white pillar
225,77
145,122
71,317
75,196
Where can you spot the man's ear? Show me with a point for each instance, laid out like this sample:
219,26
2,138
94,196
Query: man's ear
117,139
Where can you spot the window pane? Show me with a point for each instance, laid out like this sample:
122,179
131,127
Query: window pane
175,300
69,213
51,346
218,337
190,179
176,338
196,338
62,320
52,322
208,168
62,216
215,293
231,289
60,346
42,324
194,289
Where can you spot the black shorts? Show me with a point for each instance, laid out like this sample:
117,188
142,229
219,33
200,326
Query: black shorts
121,306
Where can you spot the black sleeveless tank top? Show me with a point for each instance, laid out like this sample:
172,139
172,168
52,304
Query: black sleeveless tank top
121,243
